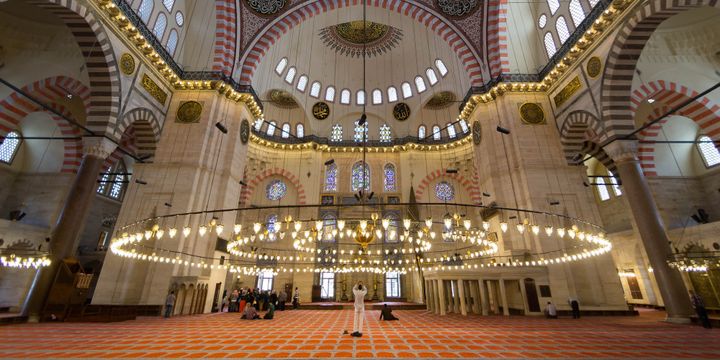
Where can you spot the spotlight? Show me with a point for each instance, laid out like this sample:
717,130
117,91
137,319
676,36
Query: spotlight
357,197
168,204
221,127
329,162
554,202
243,183
585,184
451,170
650,101
141,182
371,195
577,157
486,194
502,130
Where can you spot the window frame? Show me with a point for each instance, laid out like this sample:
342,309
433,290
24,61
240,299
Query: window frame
329,277
262,278
702,152
390,278
284,62
16,150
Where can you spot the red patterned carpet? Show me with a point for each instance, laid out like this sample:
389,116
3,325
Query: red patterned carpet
319,334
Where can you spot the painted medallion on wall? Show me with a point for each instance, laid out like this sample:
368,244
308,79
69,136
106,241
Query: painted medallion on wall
532,113
477,132
153,89
401,112
440,100
189,112
127,64
244,131
266,7
457,8
321,110
594,67
349,38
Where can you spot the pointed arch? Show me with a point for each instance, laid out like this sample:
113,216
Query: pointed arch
470,184
225,36
247,191
578,127
146,129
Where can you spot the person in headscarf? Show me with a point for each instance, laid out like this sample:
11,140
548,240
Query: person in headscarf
250,313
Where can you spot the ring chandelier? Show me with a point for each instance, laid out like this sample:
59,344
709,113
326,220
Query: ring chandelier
15,261
454,242
696,262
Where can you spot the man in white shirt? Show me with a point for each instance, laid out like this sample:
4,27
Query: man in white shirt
359,291
551,311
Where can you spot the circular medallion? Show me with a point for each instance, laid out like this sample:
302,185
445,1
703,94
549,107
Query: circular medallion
127,64
401,111
244,131
532,113
457,8
594,67
189,112
321,110
477,132
266,7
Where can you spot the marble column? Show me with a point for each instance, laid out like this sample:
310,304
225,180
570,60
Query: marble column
461,294
484,305
428,296
652,230
503,298
441,293
65,236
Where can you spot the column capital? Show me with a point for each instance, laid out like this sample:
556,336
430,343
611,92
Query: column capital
621,151
99,147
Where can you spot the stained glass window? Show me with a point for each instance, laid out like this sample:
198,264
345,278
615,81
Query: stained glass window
444,191
421,132
275,190
160,25
315,89
300,130
390,181
451,130
271,222
285,131
436,132
104,181
440,65
432,78
336,134
119,182
385,133
331,177
358,171
708,151
361,131
392,94
9,147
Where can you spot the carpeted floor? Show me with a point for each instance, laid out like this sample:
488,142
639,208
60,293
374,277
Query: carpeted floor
319,334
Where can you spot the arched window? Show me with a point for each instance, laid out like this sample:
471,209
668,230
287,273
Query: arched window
271,223
602,189
420,84
562,29
145,10
330,94
554,6
118,186
302,83
179,18
169,4
389,182
432,78
444,191
331,177
392,94
360,97
436,132
385,133
451,130
275,190
172,42
421,132
542,21
614,182
345,96
360,172
377,97
160,25
271,128
392,284
258,124
315,89
10,147
290,76
327,285
336,134
576,12
281,66
285,131
440,65
464,126
549,44
593,2
300,131
406,90
361,131
708,151
265,281
104,181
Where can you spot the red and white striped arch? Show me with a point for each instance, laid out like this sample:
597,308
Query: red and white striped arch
225,36
469,183
497,37
272,32
247,191
668,95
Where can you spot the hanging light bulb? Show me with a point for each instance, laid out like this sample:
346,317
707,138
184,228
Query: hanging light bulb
406,223
467,224
535,229
378,233
257,227
298,226
159,233
385,223
548,230
186,231
172,232
581,235
520,228
237,228
202,230
503,227
561,232
432,235
428,222
486,225
318,225
447,220
219,229
571,232
363,224
341,224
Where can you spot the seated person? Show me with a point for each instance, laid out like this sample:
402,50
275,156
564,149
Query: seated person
386,314
551,311
271,312
250,313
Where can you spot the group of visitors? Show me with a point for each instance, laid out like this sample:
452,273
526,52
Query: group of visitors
551,309
244,299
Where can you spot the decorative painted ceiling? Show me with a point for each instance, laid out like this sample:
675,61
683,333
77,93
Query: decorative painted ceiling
348,38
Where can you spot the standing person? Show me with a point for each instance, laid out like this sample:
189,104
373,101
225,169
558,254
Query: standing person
699,305
169,303
274,298
243,299
282,299
575,306
550,310
233,301
296,299
359,291
225,303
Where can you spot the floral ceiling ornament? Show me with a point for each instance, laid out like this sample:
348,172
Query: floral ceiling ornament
457,8
266,7
348,38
